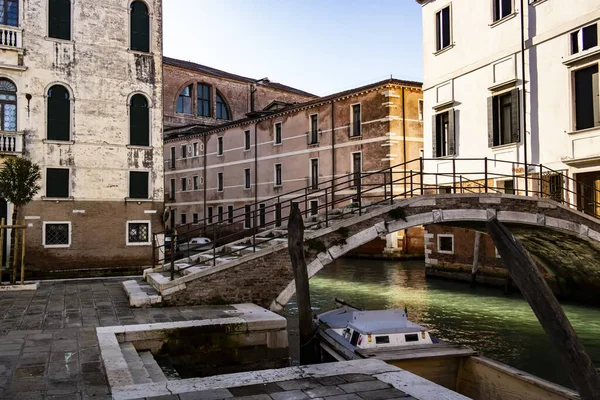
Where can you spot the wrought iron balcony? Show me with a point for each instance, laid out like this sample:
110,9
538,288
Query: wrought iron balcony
11,143
11,37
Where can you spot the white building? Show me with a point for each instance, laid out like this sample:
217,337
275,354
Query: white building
81,96
474,98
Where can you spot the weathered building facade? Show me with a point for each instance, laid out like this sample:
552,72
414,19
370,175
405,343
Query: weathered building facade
81,96
215,173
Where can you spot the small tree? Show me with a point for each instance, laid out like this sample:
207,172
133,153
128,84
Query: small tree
19,184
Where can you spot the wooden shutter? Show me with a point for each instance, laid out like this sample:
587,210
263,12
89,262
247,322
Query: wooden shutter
451,138
59,19
59,114
139,124
140,27
515,116
57,182
596,101
490,116
138,185
434,153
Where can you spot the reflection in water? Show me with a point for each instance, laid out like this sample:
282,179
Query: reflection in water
501,327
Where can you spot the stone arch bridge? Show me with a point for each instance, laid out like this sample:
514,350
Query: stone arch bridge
560,236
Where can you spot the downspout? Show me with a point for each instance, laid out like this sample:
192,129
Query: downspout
255,172
404,162
332,155
524,97
205,142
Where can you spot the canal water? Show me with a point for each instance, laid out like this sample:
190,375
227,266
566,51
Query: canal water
501,327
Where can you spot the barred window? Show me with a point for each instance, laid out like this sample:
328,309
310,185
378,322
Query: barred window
138,232
57,234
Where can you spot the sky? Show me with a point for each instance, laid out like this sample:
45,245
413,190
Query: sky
321,47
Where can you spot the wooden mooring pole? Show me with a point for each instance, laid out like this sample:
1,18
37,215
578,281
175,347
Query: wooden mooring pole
549,312
308,346
475,259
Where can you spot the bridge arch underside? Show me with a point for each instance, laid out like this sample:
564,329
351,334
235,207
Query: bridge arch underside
564,243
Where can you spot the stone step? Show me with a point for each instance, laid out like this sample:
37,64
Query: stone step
154,370
135,364
156,279
141,294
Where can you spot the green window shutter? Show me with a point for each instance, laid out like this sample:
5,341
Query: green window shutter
59,19
515,116
490,116
596,101
139,124
434,153
138,185
140,27
57,182
451,138
59,114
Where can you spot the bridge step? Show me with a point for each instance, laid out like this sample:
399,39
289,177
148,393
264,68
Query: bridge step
141,294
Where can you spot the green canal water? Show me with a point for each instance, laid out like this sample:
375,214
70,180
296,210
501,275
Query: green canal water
501,327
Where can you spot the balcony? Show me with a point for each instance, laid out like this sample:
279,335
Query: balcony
11,37
11,143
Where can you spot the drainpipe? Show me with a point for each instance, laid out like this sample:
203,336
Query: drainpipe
332,154
404,162
204,141
255,172
524,96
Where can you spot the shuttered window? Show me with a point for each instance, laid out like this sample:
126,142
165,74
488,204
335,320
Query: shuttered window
140,27
443,30
59,19
139,121
444,143
57,182
59,114
503,119
587,101
138,185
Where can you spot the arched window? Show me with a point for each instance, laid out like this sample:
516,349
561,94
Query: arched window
139,121
184,101
204,100
140,27
8,105
59,19
222,110
59,114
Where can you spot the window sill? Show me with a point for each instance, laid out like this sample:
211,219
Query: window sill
59,142
65,41
249,188
313,145
247,150
277,144
503,19
136,147
131,200
58,199
450,157
504,146
445,252
139,244
220,155
535,3
142,53
355,137
57,246
582,55
445,49
594,129
277,187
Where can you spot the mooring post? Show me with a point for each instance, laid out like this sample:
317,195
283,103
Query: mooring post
308,348
173,250
549,312
475,259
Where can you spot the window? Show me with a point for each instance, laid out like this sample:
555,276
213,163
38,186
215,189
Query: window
59,19
57,234
220,214
195,149
357,168
183,219
314,207
203,100
356,127
222,110
220,146
138,185
8,105
184,101
262,216
172,160
183,151
278,137
420,109
278,215
139,121
382,339
247,178
443,29
230,214
172,190
219,182
313,135
183,184
445,243
59,114
509,187
584,38
587,101
140,27
556,187
412,337
210,215
314,173
246,140
503,127
9,12
502,8
57,182
195,218
278,180
195,182
247,217
443,134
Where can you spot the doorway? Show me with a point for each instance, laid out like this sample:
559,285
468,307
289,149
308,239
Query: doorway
588,193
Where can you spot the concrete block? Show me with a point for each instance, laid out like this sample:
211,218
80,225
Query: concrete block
517,216
490,200
464,215
423,203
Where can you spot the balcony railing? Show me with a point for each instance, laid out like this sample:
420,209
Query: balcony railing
11,142
11,37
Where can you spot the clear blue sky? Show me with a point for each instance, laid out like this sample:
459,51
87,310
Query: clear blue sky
321,46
